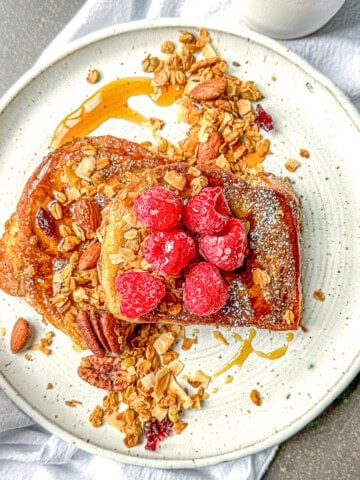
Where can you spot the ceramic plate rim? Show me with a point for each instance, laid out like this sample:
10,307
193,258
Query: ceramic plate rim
344,379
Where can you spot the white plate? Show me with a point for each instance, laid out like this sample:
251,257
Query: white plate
309,112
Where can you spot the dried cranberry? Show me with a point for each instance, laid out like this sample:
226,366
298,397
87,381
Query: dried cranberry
155,431
263,119
46,222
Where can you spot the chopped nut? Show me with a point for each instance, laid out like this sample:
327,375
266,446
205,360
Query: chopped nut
176,180
175,367
219,337
260,277
304,153
179,426
319,295
162,379
101,163
186,37
89,150
198,183
188,343
85,168
72,403
149,64
130,219
69,243
194,172
175,309
167,47
200,378
289,317
163,343
93,76
243,106
255,397
131,234
291,164
97,416
169,356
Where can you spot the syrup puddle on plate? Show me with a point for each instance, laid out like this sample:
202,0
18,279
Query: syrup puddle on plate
111,101
246,349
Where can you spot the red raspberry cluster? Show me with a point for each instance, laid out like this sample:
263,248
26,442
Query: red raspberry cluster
172,245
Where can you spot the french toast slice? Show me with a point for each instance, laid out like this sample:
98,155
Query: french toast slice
43,241
265,292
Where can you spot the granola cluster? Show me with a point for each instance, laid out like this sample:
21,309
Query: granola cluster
217,106
144,379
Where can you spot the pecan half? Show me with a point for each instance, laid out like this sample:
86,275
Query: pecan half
108,324
104,373
86,329
98,330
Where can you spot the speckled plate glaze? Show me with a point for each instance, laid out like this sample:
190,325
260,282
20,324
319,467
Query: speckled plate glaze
309,112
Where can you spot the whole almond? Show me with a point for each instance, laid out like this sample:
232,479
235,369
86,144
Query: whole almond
210,149
87,213
20,335
89,257
209,89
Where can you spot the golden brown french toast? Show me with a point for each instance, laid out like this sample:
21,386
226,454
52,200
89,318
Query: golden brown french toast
56,221
264,292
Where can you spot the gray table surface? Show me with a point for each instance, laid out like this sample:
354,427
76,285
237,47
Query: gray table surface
329,447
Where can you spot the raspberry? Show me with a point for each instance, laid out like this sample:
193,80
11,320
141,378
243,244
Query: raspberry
156,430
158,209
225,249
207,212
205,291
263,119
140,293
169,252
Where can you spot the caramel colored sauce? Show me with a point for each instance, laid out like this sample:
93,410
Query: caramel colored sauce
110,101
247,349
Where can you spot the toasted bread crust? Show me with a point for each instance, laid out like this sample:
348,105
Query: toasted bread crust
31,273
267,203
271,208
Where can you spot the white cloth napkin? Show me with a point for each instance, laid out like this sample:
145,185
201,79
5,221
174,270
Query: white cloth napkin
26,449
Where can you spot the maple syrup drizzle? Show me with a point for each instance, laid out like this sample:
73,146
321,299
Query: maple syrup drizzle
110,101
247,349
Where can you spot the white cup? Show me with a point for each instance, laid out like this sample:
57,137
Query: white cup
285,19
